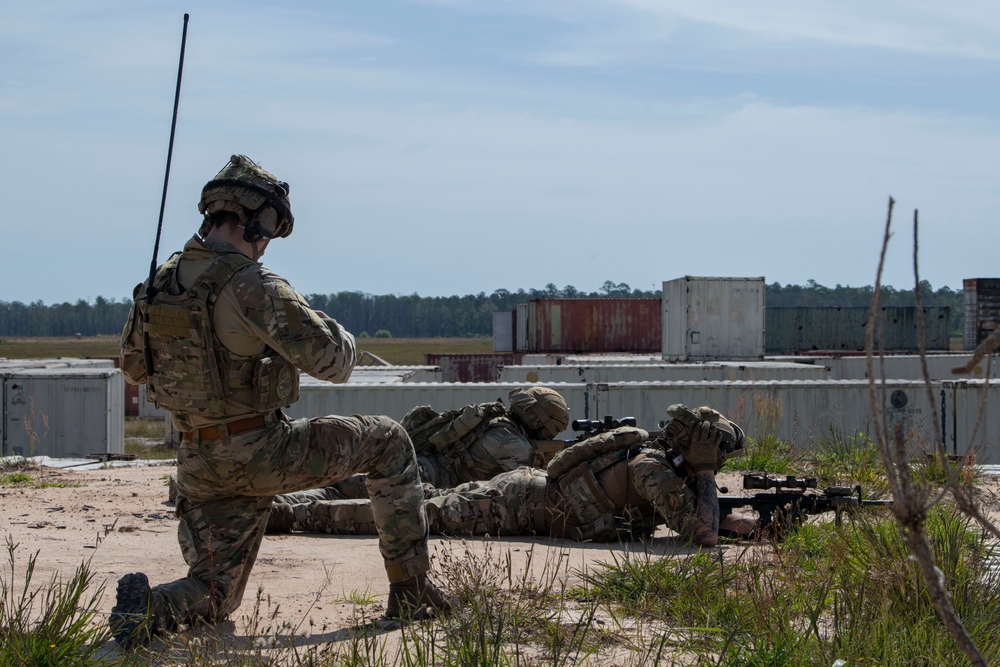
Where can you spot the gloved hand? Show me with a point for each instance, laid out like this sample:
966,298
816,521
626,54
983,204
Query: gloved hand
703,449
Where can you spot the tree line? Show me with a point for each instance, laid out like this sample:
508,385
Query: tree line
414,316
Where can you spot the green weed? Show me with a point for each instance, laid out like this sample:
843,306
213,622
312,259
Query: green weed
53,624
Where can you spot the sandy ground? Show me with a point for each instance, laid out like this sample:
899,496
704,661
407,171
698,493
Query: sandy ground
119,518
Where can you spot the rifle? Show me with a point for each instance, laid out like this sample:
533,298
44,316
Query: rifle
790,503
585,428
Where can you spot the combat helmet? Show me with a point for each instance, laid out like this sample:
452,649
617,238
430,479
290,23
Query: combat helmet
542,410
677,431
256,196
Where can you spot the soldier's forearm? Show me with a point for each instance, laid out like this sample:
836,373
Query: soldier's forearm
706,532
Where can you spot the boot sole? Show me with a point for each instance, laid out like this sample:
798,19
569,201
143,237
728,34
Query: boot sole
129,619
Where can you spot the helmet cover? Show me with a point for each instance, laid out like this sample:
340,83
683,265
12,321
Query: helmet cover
544,411
256,196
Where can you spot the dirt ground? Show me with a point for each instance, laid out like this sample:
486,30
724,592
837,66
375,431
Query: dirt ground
119,518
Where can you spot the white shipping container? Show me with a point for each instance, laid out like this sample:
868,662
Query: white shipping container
662,372
802,412
503,332
806,412
63,413
713,319
908,367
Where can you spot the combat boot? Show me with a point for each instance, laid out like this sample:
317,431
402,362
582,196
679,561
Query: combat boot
417,598
133,621
280,520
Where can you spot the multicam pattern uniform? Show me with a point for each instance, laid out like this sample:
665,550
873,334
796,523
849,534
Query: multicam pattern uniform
502,447
227,483
526,501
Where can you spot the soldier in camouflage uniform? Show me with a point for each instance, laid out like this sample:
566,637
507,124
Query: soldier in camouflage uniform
219,340
617,485
471,444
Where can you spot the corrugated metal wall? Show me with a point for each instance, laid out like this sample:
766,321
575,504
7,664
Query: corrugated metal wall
594,325
470,367
713,319
804,412
844,329
63,413
663,372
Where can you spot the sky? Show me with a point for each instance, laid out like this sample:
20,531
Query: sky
451,147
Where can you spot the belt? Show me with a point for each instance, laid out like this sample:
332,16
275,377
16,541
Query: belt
232,428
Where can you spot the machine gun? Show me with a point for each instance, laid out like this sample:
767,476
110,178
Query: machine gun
790,503
585,428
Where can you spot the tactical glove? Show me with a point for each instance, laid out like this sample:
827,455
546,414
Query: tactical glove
702,453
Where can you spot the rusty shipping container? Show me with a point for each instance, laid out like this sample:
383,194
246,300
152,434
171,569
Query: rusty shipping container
471,367
982,309
594,325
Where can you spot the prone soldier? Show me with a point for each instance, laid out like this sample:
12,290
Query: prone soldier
619,484
464,445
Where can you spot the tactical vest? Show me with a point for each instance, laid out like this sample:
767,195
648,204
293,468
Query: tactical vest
575,470
446,435
193,372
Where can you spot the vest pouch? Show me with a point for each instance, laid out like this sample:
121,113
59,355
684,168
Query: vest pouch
275,384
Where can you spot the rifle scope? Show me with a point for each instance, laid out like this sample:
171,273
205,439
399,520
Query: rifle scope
605,424
789,482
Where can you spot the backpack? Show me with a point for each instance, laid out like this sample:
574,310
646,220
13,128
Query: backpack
451,432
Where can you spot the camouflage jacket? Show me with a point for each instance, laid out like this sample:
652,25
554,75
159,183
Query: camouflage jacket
256,314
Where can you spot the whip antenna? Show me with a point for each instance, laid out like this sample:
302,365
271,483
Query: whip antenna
150,290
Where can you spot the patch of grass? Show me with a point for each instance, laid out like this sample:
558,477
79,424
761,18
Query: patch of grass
146,439
852,459
16,479
25,473
933,470
825,593
768,453
412,351
51,624
54,347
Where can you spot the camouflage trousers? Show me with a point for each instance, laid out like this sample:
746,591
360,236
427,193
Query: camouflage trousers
512,503
226,487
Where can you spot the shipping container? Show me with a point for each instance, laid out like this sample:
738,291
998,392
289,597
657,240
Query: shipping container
811,412
63,413
131,390
521,328
470,367
982,309
503,332
804,413
594,325
845,329
663,372
910,367
713,319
